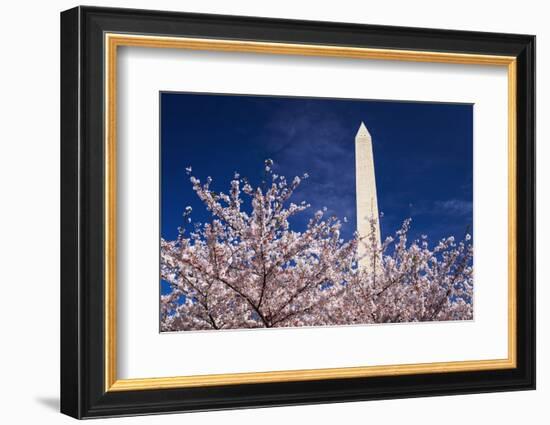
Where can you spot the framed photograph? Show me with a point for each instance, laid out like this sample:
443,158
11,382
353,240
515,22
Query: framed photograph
261,212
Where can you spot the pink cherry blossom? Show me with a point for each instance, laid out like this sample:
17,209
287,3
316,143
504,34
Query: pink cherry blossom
247,268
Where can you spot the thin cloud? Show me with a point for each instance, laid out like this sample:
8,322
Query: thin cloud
309,139
455,207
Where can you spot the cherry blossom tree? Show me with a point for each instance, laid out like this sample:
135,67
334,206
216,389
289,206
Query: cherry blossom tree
246,267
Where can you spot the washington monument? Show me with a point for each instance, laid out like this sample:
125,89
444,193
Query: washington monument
365,189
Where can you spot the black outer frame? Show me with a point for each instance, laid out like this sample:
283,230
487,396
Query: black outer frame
82,219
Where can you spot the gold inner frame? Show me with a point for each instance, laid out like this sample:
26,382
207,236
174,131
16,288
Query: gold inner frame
113,41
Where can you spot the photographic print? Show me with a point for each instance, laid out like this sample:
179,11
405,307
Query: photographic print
301,211
328,200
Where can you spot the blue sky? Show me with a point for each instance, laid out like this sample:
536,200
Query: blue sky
422,153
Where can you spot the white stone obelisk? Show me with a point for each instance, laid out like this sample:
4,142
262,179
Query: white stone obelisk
365,191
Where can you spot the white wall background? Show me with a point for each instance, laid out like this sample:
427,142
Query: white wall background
29,224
